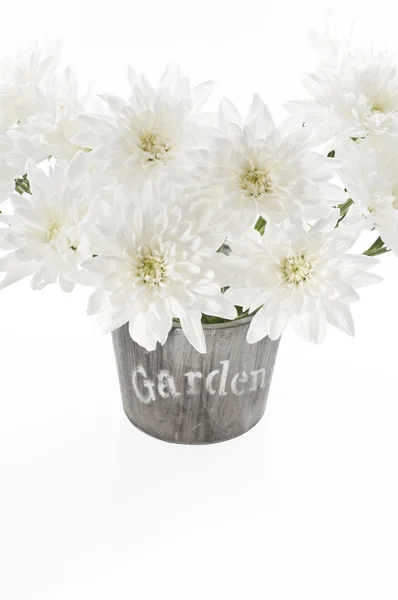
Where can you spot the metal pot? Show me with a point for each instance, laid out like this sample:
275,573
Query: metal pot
178,395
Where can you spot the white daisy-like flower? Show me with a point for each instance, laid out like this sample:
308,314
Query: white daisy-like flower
49,232
15,148
156,131
12,166
370,175
20,80
341,37
157,260
354,92
57,120
305,277
256,170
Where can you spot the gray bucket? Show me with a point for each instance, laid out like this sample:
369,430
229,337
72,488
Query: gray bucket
178,395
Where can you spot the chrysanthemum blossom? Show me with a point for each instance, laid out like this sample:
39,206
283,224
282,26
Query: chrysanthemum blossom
157,261
157,130
15,148
49,232
341,37
303,277
58,118
353,92
21,78
256,170
371,177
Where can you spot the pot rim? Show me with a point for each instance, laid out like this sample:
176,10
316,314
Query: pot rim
227,324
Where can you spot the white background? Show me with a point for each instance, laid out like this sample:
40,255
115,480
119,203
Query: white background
304,505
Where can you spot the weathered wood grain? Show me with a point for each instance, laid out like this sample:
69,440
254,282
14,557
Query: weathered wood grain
178,395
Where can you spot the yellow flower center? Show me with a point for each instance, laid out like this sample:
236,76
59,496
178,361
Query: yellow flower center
296,269
53,231
256,182
151,267
377,108
155,146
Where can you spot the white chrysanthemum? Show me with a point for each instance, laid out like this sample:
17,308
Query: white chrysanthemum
12,165
49,232
15,148
371,177
354,92
340,38
303,277
256,170
57,119
157,261
20,80
156,131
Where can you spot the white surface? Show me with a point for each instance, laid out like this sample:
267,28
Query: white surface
303,506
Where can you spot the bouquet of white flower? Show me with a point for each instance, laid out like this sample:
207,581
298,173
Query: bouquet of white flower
172,213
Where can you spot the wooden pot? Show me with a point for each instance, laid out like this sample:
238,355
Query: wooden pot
178,395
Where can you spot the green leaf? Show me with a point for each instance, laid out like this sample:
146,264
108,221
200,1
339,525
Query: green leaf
332,154
225,249
260,225
22,185
208,320
344,208
378,247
